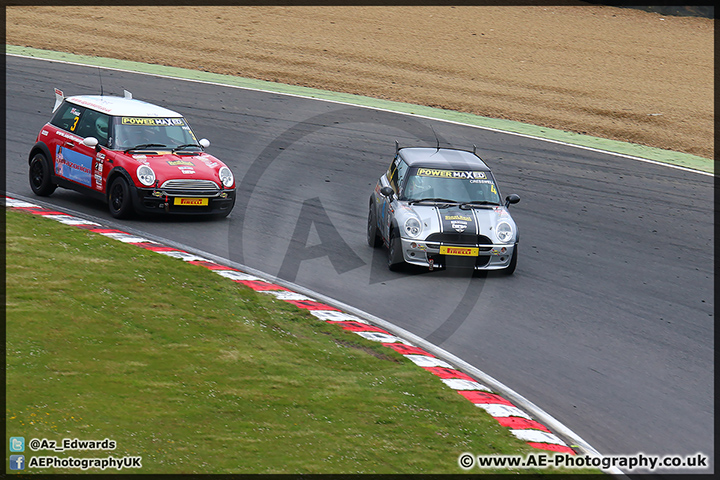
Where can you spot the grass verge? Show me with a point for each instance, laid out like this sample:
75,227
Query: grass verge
198,374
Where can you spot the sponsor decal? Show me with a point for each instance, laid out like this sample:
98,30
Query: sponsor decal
459,251
191,202
73,166
44,133
69,136
153,121
464,218
459,221
406,208
501,211
187,170
102,106
459,226
177,163
455,174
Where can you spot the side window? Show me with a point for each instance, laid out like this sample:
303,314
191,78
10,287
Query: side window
67,117
402,169
396,173
392,173
94,124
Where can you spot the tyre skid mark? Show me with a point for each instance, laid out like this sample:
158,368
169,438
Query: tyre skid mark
519,423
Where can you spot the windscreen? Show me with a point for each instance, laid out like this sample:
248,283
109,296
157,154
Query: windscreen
460,186
129,132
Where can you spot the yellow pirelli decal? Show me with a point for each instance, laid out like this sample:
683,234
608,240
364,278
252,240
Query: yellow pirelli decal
191,202
459,251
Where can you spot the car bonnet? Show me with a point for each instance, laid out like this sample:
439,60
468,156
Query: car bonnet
169,166
454,219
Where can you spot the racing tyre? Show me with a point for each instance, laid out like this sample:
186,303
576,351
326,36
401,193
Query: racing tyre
510,269
40,176
373,236
394,254
119,200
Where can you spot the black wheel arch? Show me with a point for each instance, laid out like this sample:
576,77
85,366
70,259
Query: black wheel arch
393,229
40,147
118,172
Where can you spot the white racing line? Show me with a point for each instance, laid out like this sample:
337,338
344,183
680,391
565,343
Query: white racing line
524,419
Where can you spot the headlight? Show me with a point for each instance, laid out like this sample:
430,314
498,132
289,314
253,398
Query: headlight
226,177
146,175
413,227
504,232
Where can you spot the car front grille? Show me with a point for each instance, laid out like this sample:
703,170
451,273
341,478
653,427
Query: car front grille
190,187
448,238
450,261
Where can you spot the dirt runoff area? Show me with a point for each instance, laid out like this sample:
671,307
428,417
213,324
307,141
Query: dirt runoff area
610,72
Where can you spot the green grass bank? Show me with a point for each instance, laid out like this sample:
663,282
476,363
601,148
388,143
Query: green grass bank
198,374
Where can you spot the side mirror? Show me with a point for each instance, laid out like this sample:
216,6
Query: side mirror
204,142
511,199
90,141
387,191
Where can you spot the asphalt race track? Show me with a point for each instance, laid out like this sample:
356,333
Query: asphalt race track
607,323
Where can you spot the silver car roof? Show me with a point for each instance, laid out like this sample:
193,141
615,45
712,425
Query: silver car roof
441,158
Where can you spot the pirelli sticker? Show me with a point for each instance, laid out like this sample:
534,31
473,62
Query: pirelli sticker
455,174
165,122
459,251
191,202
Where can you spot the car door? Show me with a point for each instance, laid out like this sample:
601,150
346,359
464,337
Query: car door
73,160
97,125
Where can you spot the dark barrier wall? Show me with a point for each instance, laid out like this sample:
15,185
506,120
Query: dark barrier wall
679,10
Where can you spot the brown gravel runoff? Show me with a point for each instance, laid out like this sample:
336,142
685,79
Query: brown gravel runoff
610,72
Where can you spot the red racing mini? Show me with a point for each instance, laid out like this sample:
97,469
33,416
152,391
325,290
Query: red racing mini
136,156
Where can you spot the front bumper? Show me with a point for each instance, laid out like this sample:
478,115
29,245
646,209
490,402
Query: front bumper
477,257
149,200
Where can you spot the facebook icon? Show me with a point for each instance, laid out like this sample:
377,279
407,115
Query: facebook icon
17,462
